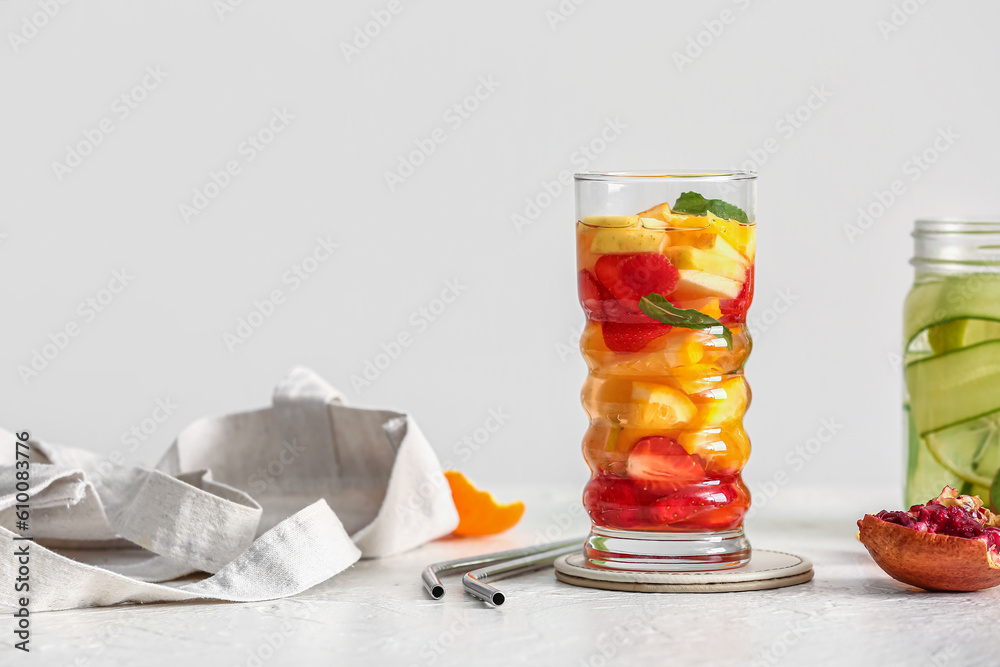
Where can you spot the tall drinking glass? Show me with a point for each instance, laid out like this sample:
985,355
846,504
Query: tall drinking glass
666,270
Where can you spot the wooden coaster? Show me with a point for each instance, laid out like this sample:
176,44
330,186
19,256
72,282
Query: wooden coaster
766,569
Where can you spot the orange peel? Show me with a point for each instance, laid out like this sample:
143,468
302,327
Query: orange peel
478,512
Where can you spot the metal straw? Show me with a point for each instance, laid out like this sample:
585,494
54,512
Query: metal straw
475,582
431,572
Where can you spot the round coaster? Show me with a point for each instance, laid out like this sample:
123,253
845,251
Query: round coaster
766,569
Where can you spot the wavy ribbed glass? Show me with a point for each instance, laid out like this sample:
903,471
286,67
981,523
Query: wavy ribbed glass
666,270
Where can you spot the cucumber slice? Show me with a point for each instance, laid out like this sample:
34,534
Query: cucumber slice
955,386
941,301
971,449
978,331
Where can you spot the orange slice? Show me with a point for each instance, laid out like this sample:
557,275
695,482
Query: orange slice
478,512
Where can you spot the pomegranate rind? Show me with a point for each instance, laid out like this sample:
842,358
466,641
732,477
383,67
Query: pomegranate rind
930,561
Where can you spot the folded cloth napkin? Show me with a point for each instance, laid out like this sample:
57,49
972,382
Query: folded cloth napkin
269,502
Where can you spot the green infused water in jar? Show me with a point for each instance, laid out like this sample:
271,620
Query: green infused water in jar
951,359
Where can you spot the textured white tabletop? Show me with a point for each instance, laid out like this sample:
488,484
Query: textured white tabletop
378,613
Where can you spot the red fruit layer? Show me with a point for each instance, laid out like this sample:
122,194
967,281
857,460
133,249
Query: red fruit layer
630,277
660,459
622,337
592,295
627,504
735,310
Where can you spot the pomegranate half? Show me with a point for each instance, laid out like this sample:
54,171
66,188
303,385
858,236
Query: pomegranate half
951,543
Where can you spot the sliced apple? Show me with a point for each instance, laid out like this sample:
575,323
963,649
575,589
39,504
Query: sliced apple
625,240
660,406
695,284
714,243
613,221
686,257
659,212
741,237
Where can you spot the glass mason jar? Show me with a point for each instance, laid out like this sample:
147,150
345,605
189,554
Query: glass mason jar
666,270
951,359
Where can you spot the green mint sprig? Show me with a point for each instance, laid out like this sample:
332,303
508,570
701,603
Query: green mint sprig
695,204
665,312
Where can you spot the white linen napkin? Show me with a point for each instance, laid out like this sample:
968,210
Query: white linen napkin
270,502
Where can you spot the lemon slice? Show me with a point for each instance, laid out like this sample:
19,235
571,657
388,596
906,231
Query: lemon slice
947,336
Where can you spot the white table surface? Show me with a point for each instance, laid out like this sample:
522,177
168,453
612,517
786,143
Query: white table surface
378,613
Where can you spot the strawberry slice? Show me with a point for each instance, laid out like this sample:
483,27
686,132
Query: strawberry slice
612,502
627,337
591,296
689,502
631,277
735,310
661,459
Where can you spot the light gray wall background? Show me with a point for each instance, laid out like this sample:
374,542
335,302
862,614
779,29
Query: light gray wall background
893,78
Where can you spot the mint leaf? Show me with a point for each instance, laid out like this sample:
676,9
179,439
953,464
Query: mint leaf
695,204
663,311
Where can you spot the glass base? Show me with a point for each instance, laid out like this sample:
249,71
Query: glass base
666,552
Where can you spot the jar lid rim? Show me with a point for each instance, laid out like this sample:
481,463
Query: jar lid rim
954,225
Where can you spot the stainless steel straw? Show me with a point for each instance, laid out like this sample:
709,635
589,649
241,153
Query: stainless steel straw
431,572
475,582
